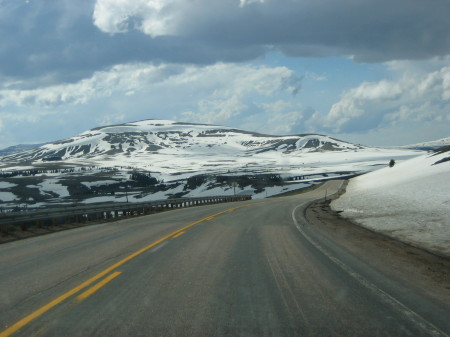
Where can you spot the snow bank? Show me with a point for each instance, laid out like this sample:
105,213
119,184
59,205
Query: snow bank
97,183
53,185
410,201
7,196
5,184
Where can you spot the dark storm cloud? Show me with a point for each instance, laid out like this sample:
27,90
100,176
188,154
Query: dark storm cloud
54,41
370,30
37,43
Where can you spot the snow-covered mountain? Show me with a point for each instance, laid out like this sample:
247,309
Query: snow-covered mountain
146,138
169,148
156,159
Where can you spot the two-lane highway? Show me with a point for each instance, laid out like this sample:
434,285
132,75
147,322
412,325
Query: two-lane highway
243,269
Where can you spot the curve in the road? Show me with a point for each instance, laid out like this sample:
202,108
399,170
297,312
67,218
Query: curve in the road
255,269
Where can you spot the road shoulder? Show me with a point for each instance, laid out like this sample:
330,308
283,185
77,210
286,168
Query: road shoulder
415,268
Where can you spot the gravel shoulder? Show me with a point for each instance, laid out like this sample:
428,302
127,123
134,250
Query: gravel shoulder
417,269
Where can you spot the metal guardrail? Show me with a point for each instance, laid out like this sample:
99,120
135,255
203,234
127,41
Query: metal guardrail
87,213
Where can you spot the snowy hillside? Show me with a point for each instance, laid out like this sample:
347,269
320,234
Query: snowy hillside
158,159
410,201
118,144
18,148
170,149
435,144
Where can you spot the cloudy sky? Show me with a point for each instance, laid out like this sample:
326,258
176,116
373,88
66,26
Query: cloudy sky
375,72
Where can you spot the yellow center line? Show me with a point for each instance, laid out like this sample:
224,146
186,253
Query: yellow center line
100,284
42,310
177,235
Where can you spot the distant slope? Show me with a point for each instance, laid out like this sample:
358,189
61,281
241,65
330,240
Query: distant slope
435,144
409,201
148,137
159,159
169,148
19,148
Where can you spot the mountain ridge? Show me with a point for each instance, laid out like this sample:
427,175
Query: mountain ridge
157,159
18,148
150,136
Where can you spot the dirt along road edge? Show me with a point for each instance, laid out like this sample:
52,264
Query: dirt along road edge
417,268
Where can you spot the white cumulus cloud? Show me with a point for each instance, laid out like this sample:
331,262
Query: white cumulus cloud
416,96
207,94
284,117
235,87
243,3
154,17
159,17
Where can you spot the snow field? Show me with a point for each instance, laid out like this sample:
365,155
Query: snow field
7,196
4,184
410,202
53,185
172,152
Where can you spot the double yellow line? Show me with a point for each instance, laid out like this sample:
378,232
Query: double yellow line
42,310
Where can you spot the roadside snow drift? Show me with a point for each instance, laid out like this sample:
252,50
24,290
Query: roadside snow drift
410,201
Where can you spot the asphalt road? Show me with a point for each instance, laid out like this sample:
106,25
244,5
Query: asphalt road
240,269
